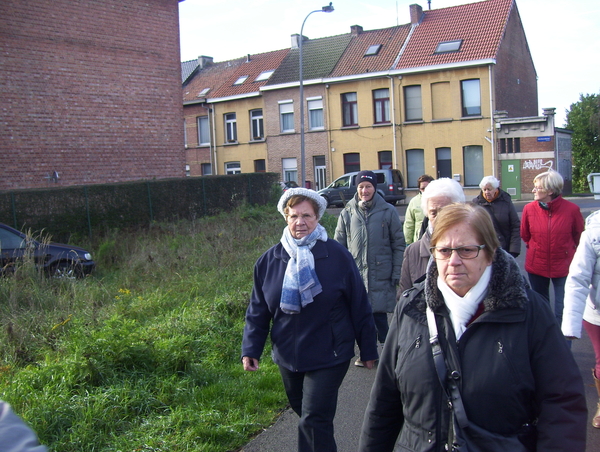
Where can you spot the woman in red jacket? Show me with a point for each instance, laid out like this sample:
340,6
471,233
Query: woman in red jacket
550,228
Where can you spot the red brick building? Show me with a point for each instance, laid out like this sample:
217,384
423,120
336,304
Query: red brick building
90,92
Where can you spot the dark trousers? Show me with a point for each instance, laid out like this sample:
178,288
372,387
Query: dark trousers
541,285
313,396
381,325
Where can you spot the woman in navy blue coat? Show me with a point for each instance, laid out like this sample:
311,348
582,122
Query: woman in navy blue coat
309,295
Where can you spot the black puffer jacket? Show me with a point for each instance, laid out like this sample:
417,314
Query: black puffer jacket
514,365
506,220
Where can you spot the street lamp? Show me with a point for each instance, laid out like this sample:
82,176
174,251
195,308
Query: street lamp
324,9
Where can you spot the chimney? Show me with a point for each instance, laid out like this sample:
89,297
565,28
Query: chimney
204,61
248,58
549,111
296,40
356,30
416,13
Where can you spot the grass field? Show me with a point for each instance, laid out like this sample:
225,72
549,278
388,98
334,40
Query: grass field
144,354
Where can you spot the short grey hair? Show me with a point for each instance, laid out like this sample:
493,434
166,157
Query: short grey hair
442,187
489,180
552,181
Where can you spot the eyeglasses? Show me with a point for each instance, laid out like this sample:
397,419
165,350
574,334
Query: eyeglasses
306,217
464,252
538,189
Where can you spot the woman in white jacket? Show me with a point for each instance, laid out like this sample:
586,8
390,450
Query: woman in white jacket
582,295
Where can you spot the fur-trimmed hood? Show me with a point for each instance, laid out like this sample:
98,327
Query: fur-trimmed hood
507,288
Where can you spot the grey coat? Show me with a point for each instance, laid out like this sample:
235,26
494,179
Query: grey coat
376,242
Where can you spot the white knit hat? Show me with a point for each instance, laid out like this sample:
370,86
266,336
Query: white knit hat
302,192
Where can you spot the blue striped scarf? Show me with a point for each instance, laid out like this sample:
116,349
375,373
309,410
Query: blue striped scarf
300,282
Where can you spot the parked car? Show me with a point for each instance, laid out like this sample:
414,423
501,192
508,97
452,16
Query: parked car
56,259
288,184
390,185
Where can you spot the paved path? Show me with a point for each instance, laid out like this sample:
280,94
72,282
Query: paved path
354,392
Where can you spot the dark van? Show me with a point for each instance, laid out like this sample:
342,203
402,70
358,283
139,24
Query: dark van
390,185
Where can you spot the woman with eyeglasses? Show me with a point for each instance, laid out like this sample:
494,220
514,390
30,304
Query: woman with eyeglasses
474,360
309,294
550,227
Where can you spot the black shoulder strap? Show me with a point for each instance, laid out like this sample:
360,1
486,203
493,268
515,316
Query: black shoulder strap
448,384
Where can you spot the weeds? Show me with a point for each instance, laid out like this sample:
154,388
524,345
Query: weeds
143,355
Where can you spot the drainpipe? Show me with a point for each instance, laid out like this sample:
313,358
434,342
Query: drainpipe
214,141
393,96
492,125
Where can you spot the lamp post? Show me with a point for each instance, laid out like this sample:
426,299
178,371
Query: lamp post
324,9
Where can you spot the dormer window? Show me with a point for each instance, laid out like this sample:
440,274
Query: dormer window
264,76
449,46
373,50
241,80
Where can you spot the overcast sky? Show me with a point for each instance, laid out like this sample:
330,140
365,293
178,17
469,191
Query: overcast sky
563,36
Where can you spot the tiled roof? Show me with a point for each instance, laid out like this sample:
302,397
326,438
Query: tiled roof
252,67
480,25
354,60
319,58
210,78
187,69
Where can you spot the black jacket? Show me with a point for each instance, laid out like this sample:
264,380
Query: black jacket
506,220
514,364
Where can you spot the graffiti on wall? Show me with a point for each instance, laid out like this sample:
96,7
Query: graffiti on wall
537,164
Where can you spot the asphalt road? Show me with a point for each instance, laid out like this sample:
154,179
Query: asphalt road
354,392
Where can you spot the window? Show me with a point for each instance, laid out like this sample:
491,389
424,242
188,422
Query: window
320,172
412,103
204,92
373,50
471,98
349,110
203,131
241,80
230,128
351,162
473,162
443,162
233,168
206,169
385,159
415,166
290,169
264,75
510,145
257,125
449,46
381,105
187,170
315,113
185,140
286,115
260,166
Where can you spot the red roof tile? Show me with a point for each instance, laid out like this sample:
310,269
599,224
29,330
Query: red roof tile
252,68
480,25
211,77
354,60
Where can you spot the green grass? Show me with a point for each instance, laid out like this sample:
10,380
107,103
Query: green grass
144,354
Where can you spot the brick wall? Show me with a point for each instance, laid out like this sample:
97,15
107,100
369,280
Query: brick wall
90,89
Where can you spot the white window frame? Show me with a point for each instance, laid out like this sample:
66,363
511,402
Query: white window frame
257,129
473,165
470,94
413,106
286,116
315,113
203,130
381,105
230,127
233,168
290,169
